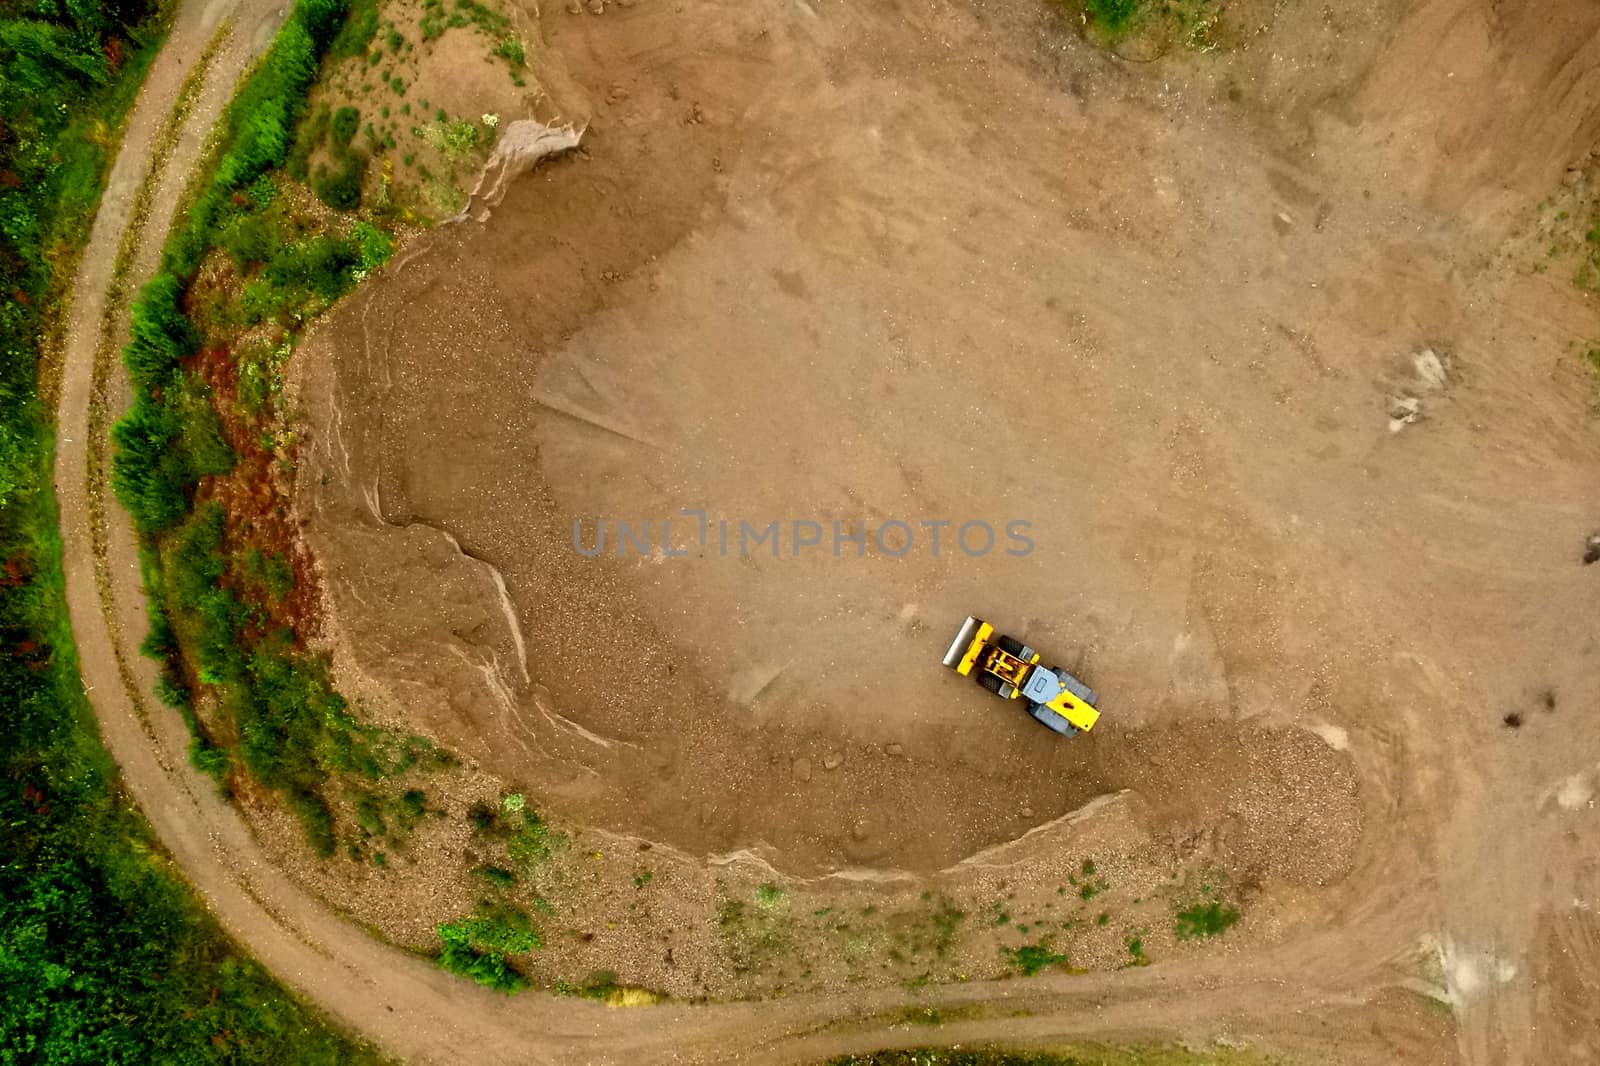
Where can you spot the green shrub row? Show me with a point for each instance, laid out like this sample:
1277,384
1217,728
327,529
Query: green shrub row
105,957
161,453
292,728
277,712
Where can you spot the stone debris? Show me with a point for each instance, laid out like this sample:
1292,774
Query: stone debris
1432,371
1403,410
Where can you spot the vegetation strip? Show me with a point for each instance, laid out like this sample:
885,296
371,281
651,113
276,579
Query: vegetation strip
204,457
104,954
218,587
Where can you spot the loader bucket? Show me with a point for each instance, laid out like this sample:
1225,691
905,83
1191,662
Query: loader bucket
958,647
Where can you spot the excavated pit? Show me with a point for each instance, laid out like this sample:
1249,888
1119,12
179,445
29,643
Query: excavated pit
874,268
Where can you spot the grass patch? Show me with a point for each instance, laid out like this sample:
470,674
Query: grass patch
603,986
531,844
1112,16
1088,885
1591,359
1150,28
754,937
1204,920
947,919
1032,958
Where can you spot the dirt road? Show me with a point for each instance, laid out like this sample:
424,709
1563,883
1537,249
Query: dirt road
764,223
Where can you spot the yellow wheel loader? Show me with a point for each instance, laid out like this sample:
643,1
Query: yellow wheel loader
1010,669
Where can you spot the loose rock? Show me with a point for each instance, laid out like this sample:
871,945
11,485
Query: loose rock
802,769
1403,410
832,761
1431,370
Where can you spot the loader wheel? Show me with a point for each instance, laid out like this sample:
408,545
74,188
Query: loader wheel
1010,647
990,682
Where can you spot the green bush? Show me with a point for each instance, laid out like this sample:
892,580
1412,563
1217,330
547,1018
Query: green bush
162,450
358,30
1114,16
149,473
161,334
322,266
250,239
272,574
477,946
415,803
534,843
369,816
374,246
1205,920
1031,958
498,876
316,818
194,565
346,121
208,758
511,51
312,131
208,451
339,186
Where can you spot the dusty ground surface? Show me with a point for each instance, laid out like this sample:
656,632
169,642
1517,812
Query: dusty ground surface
851,266
951,263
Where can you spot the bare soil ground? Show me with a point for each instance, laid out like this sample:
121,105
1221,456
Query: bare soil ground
950,262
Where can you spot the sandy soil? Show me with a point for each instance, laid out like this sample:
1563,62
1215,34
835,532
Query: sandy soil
950,262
